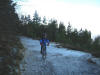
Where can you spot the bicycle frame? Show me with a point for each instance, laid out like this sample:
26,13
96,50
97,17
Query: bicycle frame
44,52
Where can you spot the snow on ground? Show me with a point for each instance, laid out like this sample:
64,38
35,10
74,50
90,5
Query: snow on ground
59,61
54,50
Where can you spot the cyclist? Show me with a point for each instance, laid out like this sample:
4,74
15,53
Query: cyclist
44,41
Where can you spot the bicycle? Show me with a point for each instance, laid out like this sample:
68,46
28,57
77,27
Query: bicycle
43,52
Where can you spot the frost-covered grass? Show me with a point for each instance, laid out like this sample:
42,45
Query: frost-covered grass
95,53
10,54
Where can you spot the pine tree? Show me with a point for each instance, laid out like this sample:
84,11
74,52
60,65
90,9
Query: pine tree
52,30
9,27
68,32
61,37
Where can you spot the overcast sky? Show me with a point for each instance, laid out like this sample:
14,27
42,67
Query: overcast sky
80,13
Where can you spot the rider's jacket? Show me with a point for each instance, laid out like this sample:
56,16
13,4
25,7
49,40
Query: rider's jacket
44,42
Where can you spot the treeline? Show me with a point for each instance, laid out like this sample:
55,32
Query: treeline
69,37
10,46
11,26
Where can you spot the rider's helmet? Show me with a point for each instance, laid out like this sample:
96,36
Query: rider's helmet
44,35
44,30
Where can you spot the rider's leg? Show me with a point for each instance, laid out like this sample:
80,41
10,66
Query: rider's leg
45,50
41,49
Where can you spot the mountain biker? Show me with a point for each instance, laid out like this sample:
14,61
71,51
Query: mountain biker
44,41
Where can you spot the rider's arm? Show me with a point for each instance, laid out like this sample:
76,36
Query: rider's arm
47,42
40,42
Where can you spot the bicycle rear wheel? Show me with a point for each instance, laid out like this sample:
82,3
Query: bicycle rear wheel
44,52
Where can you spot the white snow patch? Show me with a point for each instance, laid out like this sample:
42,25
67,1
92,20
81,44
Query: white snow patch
53,49
97,60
